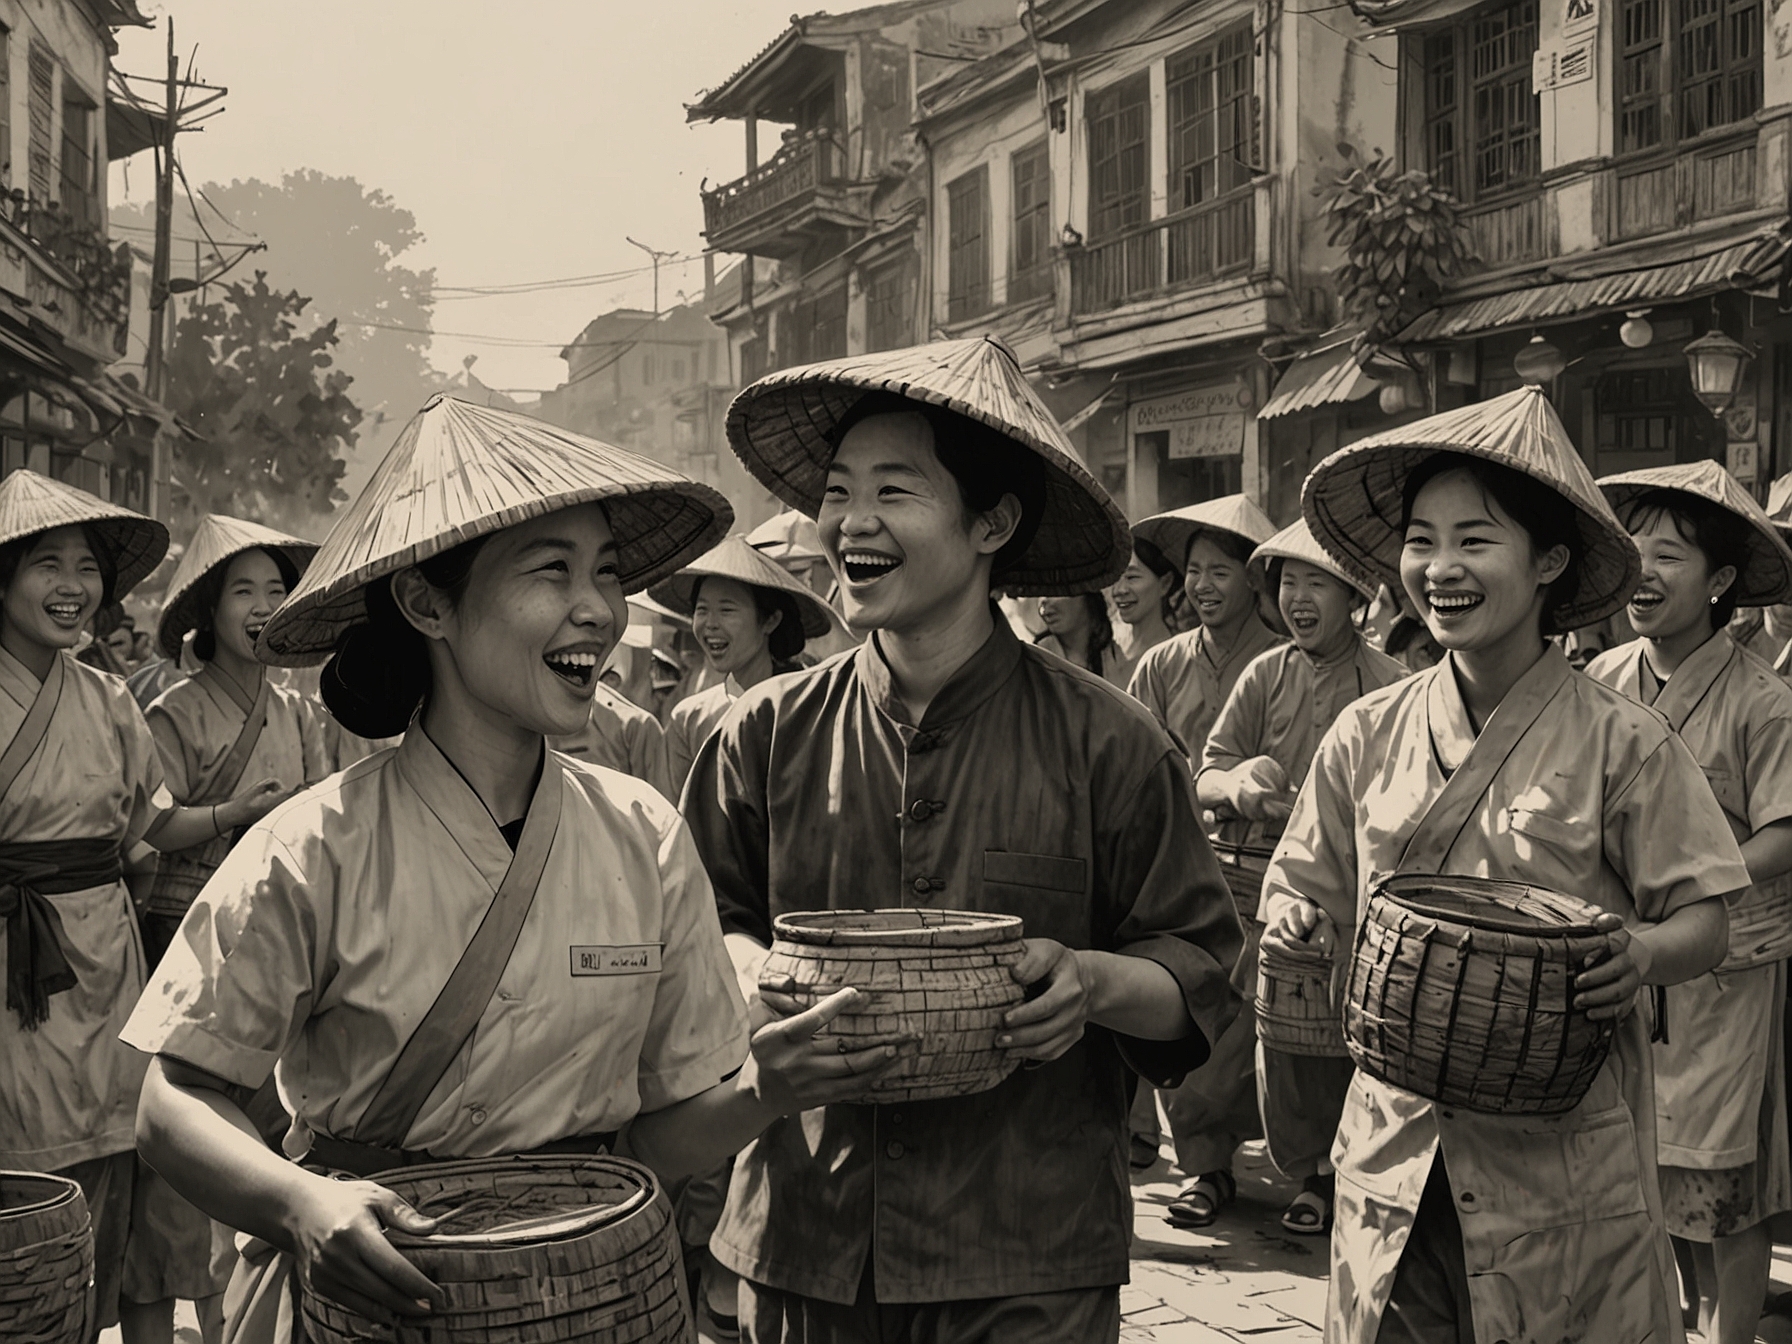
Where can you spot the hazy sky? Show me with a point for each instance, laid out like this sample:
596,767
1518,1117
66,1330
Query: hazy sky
528,138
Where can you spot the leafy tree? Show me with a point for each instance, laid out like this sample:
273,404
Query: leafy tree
257,381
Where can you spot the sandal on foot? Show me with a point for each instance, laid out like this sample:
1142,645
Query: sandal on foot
1144,1152
1309,1214
1199,1202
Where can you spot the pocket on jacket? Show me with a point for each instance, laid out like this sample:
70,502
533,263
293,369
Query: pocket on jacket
1048,892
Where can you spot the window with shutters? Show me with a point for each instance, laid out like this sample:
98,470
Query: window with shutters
1119,120
42,109
890,305
79,192
817,327
1685,67
1481,127
1030,256
967,248
1212,119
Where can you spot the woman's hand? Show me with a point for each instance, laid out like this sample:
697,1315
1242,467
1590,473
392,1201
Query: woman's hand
340,1249
1608,990
1301,926
1055,1017
251,805
791,1070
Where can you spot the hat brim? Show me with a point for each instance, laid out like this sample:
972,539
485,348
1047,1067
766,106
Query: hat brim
679,594
183,613
1267,554
1352,502
1766,577
133,545
783,427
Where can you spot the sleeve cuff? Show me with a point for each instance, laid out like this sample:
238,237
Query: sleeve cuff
1212,1005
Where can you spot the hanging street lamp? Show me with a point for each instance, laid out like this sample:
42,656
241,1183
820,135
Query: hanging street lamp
1717,365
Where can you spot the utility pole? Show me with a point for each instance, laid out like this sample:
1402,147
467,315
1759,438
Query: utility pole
154,363
657,258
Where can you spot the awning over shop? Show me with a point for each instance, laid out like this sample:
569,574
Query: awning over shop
1745,263
132,128
1392,15
1328,376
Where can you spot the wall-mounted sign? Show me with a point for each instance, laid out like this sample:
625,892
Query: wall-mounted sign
1202,422
1741,457
1557,66
1579,15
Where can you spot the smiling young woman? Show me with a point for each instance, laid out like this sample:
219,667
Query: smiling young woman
409,920
1489,519
1720,1082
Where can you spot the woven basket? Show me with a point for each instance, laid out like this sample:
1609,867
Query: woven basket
46,1260
1297,1006
939,976
1462,990
1244,867
540,1250
1761,925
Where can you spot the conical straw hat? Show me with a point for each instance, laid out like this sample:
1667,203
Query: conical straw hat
1295,542
735,559
782,426
1779,503
216,540
789,538
1174,532
1766,577
1352,499
30,503
460,471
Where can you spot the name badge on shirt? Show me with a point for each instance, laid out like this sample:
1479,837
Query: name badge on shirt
639,959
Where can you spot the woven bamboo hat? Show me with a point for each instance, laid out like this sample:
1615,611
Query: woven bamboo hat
30,503
1766,577
789,538
216,541
1295,542
460,471
736,559
782,428
1352,499
1174,532
1779,504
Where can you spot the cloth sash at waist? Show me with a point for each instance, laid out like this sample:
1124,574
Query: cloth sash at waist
367,1159
37,963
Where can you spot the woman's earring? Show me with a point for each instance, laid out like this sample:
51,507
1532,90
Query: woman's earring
1714,601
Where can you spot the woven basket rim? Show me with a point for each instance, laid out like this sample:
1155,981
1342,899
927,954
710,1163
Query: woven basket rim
835,927
1395,890
61,1191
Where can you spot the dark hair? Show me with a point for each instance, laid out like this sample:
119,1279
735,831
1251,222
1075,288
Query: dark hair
1718,534
1545,514
1158,563
1230,544
379,673
985,463
1101,628
13,554
209,591
786,639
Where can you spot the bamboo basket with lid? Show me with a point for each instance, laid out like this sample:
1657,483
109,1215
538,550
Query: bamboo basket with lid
536,1250
46,1260
940,977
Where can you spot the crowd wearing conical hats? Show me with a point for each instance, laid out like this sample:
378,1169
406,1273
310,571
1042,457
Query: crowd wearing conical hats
357,836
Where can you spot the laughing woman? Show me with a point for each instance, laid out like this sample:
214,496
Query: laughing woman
323,947
82,785
1145,601
1451,1224
1720,1084
751,619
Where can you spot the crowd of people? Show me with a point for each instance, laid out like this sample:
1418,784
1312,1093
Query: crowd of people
292,906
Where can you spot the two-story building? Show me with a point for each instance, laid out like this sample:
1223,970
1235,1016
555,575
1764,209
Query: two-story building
1627,166
829,220
66,291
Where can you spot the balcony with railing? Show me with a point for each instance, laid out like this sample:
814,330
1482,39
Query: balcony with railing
775,209
1211,242
62,274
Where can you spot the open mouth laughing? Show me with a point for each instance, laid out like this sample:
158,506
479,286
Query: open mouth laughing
864,566
1645,600
578,667
1303,622
65,614
253,630
1450,605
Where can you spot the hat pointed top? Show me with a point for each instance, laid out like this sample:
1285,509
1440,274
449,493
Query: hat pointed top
1766,576
735,559
782,429
1295,542
787,537
216,540
1352,500
460,471
1174,532
30,503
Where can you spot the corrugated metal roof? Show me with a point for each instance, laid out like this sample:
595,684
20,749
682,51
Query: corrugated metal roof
1744,264
1329,376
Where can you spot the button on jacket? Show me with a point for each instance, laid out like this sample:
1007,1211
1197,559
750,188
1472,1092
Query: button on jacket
1032,788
